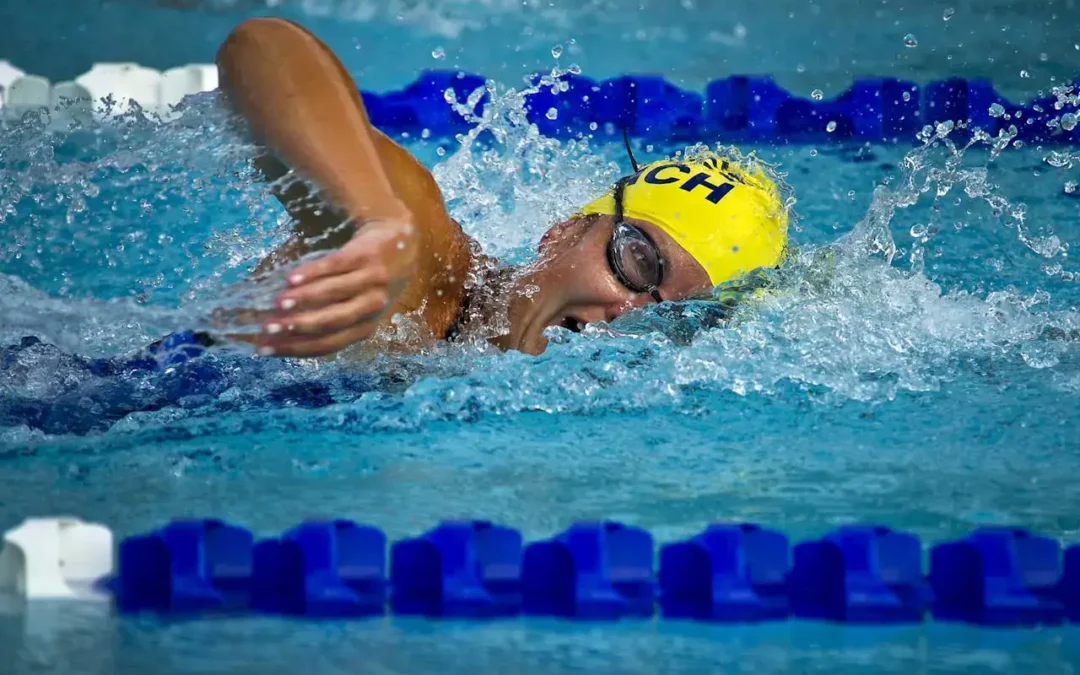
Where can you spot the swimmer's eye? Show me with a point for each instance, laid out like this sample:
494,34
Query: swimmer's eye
632,254
635,260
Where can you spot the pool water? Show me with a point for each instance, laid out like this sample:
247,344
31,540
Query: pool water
806,45
86,640
918,366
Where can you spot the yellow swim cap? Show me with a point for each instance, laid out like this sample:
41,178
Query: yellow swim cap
731,219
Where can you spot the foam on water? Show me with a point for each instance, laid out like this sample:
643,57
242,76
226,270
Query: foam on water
123,230
132,220
507,182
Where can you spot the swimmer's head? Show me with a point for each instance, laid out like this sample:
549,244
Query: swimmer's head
674,230
730,218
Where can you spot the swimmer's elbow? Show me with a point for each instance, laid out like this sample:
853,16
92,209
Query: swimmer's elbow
247,35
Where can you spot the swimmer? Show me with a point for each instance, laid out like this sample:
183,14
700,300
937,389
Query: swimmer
672,230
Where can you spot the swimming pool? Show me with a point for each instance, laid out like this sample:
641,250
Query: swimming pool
932,393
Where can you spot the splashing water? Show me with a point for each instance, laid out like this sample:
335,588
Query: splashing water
915,364
513,189
122,230
131,217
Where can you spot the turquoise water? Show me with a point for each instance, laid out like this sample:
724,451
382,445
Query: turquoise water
934,393
806,45
86,641
919,367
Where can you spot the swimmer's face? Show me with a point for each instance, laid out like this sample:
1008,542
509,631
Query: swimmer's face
576,285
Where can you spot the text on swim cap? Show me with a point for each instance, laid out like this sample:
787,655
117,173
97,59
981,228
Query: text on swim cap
716,191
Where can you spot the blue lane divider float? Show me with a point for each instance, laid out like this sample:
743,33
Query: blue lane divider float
600,570
1006,577
738,108
323,568
726,573
186,566
461,568
860,575
591,571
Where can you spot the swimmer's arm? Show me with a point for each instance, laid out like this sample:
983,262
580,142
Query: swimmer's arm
317,224
301,104
304,107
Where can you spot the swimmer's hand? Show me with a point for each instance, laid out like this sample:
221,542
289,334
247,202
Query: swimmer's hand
339,299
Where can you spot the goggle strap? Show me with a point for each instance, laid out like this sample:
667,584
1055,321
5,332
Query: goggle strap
629,150
620,188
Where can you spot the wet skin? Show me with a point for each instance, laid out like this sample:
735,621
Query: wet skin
394,249
576,286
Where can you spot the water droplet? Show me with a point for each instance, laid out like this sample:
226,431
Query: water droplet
1044,57
426,133
438,53
906,96
910,40
552,114
1025,74
817,95
593,126
574,69
997,110
948,14
830,127
800,68
918,230
851,194
1039,355
1068,121
1070,187
556,51
1057,159
440,151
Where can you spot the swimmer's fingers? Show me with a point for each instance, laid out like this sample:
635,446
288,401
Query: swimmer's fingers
339,299
319,345
329,290
224,317
367,248
365,307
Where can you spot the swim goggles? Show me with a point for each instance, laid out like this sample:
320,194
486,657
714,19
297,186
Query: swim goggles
632,254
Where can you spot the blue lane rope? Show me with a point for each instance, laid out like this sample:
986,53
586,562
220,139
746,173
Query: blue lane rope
735,109
599,570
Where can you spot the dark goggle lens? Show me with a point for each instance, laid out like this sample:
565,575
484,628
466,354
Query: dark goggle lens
636,259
